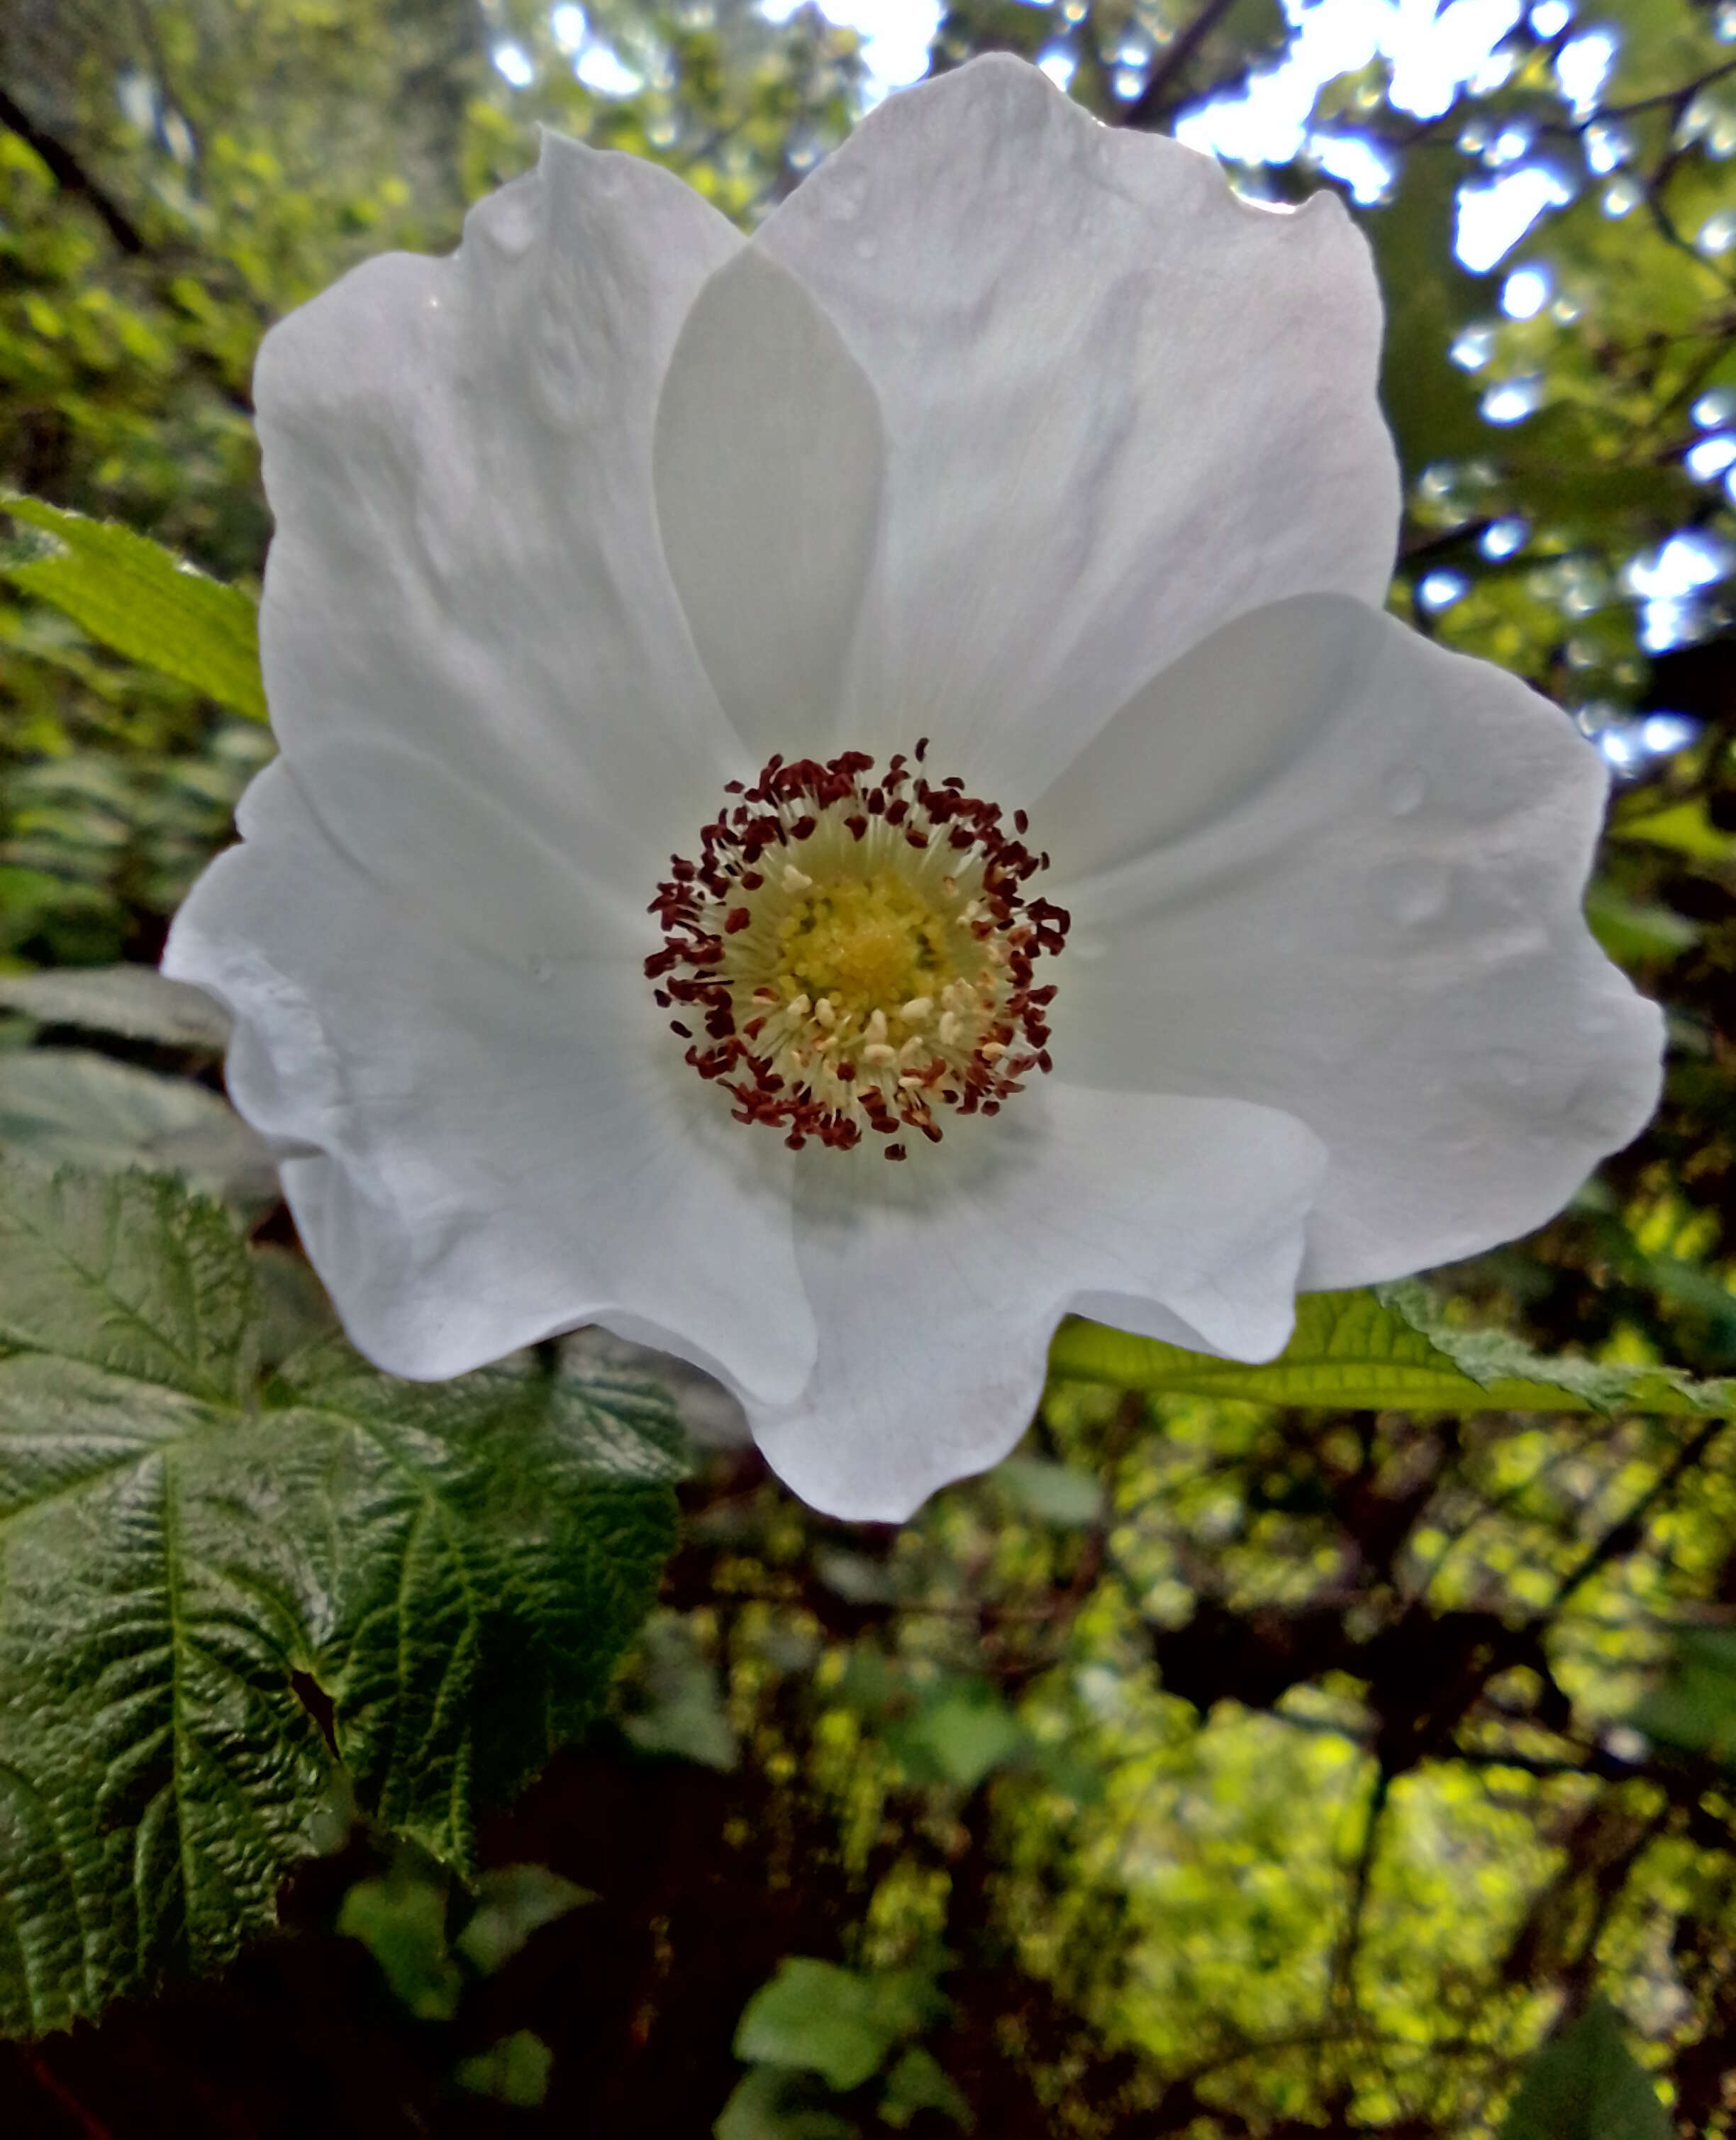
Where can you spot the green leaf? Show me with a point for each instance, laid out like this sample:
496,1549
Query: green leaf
918,2082
1371,1350
1636,931
1053,1493
67,1106
1587,2085
401,1921
136,1002
681,1708
1695,1708
127,1275
773,2103
492,1545
130,594
958,1737
1683,827
831,2021
513,1903
447,1573
294,1309
1431,405
513,2071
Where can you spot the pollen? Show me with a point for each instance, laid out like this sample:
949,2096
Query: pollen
885,982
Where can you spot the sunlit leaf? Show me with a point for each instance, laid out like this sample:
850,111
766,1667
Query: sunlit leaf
1364,1351
1683,827
130,594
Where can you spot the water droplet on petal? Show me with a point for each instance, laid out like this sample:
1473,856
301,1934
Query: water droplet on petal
1512,1068
1411,892
866,247
1404,789
510,222
541,970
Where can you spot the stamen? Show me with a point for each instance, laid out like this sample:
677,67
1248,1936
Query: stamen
817,988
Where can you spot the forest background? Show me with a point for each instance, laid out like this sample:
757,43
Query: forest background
1212,1767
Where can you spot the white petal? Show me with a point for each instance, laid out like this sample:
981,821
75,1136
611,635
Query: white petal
458,452
476,1157
936,1286
1377,927
1121,405
769,460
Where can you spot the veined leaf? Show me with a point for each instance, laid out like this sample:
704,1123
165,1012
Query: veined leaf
132,595
127,1275
69,1106
134,1001
491,1554
1374,1350
454,1568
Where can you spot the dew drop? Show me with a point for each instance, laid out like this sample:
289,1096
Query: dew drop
1411,892
541,970
1404,790
510,225
866,247
1511,1067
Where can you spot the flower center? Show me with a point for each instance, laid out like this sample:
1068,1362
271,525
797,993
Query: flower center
857,954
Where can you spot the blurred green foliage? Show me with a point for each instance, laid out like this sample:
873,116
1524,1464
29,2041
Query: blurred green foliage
1217,1771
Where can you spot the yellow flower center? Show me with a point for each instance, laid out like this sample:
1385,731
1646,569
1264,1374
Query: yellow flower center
865,944
859,953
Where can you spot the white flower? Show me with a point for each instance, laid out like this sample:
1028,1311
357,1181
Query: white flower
1005,431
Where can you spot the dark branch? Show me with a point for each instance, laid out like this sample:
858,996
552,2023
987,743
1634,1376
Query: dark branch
1148,107
1343,1992
1627,1536
72,176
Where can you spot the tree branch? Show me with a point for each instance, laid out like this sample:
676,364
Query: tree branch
72,176
1148,107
